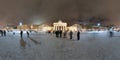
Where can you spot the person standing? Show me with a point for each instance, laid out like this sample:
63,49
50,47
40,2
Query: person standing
56,34
64,34
71,33
78,35
21,33
4,32
27,34
60,32
13,33
1,32
111,34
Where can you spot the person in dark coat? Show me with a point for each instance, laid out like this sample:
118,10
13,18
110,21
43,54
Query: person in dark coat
13,33
21,34
57,33
111,34
71,33
64,34
78,35
27,34
4,32
1,31
60,33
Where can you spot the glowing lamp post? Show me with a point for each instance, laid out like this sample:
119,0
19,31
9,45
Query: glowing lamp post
20,24
31,27
98,24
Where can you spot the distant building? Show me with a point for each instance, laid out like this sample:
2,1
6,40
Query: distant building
63,26
59,26
23,27
9,27
45,27
75,27
56,26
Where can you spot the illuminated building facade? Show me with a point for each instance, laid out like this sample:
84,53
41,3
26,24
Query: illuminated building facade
60,26
56,26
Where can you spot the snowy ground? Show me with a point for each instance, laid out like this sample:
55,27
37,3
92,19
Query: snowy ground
43,46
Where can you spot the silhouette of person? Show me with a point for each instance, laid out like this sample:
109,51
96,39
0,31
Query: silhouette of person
71,33
21,34
111,34
57,33
78,35
60,33
4,32
13,33
1,32
64,34
27,34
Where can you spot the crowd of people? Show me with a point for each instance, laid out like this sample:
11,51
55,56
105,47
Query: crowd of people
60,33
3,32
21,33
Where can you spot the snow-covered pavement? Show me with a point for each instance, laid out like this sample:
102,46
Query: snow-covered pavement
43,46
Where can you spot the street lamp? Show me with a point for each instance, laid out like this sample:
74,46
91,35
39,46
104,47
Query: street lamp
98,24
20,24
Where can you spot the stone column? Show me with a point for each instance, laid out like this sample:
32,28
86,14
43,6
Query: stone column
55,27
62,28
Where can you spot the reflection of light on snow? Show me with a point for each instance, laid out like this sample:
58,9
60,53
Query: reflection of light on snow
18,31
96,31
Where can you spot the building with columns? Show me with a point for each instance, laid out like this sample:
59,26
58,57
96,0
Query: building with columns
60,26
56,26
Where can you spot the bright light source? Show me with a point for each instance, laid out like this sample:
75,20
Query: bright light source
20,24
98,24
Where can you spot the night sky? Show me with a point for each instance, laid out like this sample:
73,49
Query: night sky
48,11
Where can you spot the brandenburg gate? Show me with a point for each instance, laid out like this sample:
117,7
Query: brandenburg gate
60,26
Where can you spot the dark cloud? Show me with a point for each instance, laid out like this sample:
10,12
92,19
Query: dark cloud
42,11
